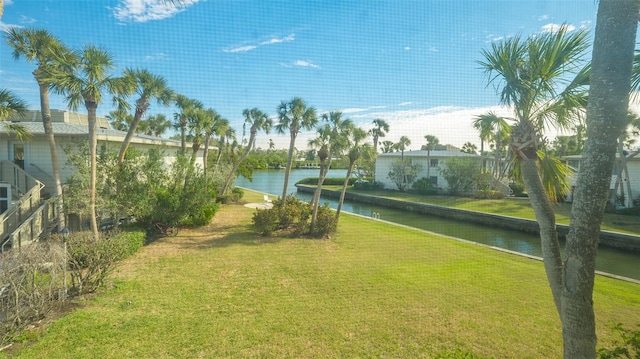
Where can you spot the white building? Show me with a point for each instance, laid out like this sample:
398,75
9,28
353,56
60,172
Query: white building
431,164
69,128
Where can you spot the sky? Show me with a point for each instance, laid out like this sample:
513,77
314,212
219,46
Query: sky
411,63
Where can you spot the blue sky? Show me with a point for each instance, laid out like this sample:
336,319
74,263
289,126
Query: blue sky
412,63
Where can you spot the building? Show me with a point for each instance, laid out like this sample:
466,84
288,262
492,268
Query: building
26,172
632,180
430,162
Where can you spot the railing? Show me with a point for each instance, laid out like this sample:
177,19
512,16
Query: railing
22,211
31,229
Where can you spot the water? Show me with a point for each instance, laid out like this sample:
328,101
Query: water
609,260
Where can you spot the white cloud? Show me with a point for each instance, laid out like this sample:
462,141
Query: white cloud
5,27
27,20
543,17
433,49
240,49
156,57
276,40
304,63
553,28
147,10
406,103
271,41
407,48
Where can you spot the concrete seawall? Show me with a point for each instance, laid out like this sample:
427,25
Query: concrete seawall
607,238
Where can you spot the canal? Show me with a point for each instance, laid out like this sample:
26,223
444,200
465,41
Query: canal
609,260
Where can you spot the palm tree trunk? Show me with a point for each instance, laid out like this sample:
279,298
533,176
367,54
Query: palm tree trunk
287,170
547,222
613,51
129,136
344,190
205,155
55,163
315,201
93,144
236,165
183,136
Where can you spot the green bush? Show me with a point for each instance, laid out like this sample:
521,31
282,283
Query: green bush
518,189
368,186
265,221
423,186
327,181
489,194
326,222
628,348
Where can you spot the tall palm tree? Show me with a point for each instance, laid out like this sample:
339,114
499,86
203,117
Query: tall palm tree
211,126
226,133
148,87
120,119
388,146
380,130
41,47
184,104
86,79
531,75
258,121
432,142
294,116
11,104
354,149
198,120
158,125
402,145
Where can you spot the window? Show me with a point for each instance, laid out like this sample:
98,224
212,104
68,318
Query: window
433,163
434,180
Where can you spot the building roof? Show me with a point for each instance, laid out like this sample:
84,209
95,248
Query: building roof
62,129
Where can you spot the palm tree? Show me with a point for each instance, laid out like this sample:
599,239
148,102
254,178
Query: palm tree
11,104
211,126
227,134
432,142
148,87
294,116
258,121
197,121
120,119
184,104
39,46
355,149
492,128
402,145
86,78
388,146
529,74
158,125
380,130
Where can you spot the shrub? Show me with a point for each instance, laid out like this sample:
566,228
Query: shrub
31,280
91,260
489,194
518,189
327,181
326,221
368,186
265,221
628,348
423,186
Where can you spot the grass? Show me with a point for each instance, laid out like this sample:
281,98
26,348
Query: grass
372,290
514,207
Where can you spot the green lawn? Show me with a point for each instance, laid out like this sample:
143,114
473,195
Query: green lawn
372,290
514,207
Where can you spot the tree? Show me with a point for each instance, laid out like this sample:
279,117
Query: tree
632,129
331,141
403,173
355,150
41,47
462,175
158,125
615,34
184,104
120,119
211,128
432,142
226,134
294,116
148,87
11,104
258,121
86,78
380,130
388,146
470,148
